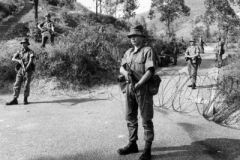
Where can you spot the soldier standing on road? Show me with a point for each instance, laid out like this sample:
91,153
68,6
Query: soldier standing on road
192,53
202,43
139,59
220,51
47,29
24,57
175,51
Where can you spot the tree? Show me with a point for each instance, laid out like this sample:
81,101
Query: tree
170,11
129,9
221,13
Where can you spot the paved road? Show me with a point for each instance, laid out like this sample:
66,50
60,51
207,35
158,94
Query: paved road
93,128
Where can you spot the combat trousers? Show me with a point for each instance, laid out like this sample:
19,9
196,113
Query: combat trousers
20,78
45,37
192,71
144,101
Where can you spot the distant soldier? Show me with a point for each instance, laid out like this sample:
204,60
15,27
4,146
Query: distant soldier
139,59
182,41
202,43
25,67
47,29
192,53
174,51
220,51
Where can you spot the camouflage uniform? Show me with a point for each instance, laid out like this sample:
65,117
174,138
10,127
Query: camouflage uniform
192,63
25,55
140,61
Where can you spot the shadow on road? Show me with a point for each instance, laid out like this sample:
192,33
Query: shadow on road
217,149
72,101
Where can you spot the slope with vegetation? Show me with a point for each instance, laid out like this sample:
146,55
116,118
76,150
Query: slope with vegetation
9,7
87,50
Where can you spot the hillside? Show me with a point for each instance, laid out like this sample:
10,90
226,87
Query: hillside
184,23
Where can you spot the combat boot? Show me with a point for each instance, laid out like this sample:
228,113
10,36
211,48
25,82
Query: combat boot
130,148
146,155
12,102
25,101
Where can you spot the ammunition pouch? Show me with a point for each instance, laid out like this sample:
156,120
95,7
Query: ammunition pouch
153,84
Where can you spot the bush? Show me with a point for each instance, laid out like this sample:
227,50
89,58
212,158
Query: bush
17,30
85,56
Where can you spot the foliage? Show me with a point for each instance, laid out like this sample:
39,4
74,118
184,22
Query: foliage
129,8
221,12
169,11
86,56
17,30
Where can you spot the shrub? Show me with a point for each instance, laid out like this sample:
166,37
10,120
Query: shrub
86,56
17,30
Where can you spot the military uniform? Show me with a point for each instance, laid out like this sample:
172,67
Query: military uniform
175,51
140,62
220,52
47,32
144,59
23,74
202,45
192,63
25,55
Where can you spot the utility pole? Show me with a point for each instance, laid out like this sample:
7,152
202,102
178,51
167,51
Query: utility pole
36,11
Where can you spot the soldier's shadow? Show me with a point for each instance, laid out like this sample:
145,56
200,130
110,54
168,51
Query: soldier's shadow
71,101
217,149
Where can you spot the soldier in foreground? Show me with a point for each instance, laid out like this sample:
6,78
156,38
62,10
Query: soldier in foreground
192,55
47,29
139,59
25,67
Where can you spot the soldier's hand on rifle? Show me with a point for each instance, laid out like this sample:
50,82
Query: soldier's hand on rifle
127,74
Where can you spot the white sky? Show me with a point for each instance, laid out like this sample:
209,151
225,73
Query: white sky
144,5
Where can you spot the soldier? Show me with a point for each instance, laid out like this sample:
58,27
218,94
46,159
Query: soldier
202,43
139,60
220,51
47,29
192,53
175,51
24,57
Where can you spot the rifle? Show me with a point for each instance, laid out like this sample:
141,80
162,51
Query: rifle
23,67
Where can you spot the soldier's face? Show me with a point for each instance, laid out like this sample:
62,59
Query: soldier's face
24,45
136,40
47,18
191,43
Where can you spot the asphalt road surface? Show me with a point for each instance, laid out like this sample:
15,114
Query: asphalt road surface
87,127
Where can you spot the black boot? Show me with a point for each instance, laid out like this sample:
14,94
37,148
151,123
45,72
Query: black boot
146,155
190,85
130,148
12,102
25,101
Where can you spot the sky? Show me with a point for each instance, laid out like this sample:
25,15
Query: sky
144,5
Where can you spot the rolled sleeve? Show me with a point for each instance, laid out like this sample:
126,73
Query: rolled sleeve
150,58
124,60
31,54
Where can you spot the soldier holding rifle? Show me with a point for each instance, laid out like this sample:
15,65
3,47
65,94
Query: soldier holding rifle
47,29
25,67
138,67
192,56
